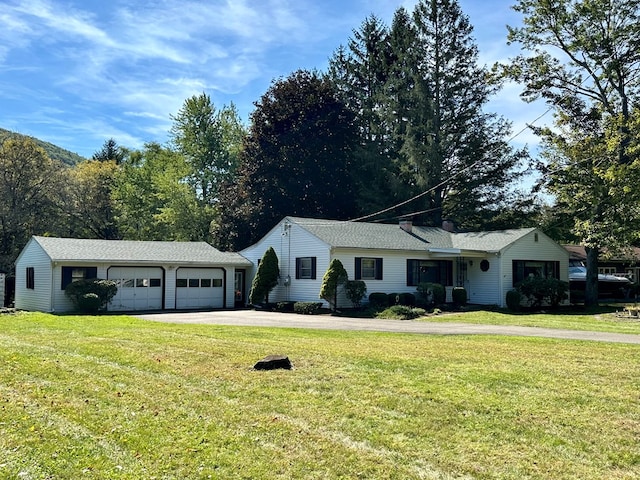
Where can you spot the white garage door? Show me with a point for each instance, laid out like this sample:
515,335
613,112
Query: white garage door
139,288
199,288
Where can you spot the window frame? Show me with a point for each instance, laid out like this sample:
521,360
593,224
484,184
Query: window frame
377,268
522,269
67,274
30,278
444,268
300,268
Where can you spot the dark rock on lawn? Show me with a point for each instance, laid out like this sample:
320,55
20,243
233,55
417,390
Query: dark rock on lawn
272,362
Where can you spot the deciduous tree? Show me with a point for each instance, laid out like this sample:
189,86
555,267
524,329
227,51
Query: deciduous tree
31,188
296,159
584,60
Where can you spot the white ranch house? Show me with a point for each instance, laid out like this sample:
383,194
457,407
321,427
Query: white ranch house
396,258
149,275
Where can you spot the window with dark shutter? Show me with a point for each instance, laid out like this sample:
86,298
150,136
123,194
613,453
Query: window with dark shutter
306,268
368,268
71,274
31,278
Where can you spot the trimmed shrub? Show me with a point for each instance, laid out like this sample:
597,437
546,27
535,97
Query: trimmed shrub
513,300
407,299
266,278
284,307
355,291
401,312
89,303
539,290
459,295
334,277
393,299
432,293
307,308
83,294
378,300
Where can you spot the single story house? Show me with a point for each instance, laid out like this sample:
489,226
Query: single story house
396,258
149,275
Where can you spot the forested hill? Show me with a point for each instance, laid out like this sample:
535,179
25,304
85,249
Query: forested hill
54,152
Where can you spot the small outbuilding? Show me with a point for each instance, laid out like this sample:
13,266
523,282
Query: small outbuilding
149,275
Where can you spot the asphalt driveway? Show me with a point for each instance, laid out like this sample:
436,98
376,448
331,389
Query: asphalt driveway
255,318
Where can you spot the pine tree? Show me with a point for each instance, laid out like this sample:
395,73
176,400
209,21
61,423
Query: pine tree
266,277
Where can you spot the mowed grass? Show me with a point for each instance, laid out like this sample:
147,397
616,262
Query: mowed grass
113,397
603,319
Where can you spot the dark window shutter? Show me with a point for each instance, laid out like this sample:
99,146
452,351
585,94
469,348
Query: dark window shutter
378,269
298,267
91,272
313,268
410,280
358,268
66,277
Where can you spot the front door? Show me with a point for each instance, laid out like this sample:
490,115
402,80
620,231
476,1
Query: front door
239,289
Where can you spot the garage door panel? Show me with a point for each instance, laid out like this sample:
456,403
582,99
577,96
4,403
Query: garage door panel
199,288
139,288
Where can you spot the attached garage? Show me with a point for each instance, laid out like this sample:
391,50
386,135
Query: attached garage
139,288
200,288
149,275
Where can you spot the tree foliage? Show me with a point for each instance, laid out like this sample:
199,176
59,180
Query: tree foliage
583,59
31,194
334,277
295,161
155,203
266,278
89,200
210,140
420,98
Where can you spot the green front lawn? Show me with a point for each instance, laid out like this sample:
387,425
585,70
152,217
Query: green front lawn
113,397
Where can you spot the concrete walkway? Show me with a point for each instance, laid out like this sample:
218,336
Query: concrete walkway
253,318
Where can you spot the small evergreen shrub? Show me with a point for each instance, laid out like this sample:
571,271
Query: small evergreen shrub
401,312
89,303
432,293
82,292
407,299
378,300
513,300
459,296
284,307
355,291
393,299
307,308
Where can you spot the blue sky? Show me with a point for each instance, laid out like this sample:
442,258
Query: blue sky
78,72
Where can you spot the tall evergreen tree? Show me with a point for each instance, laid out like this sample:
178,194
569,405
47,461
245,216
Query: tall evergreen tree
361,72
432,141
459,153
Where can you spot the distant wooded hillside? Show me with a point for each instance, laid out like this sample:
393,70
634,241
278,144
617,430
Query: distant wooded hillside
54,152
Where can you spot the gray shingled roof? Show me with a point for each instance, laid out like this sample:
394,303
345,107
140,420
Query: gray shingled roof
183,253
344,234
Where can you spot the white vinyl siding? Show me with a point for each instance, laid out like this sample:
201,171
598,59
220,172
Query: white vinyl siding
2,280
289,244
40,297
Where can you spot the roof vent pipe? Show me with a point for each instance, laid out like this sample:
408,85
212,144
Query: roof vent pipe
406,225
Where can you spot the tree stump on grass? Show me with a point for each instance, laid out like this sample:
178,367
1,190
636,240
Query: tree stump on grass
273,362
